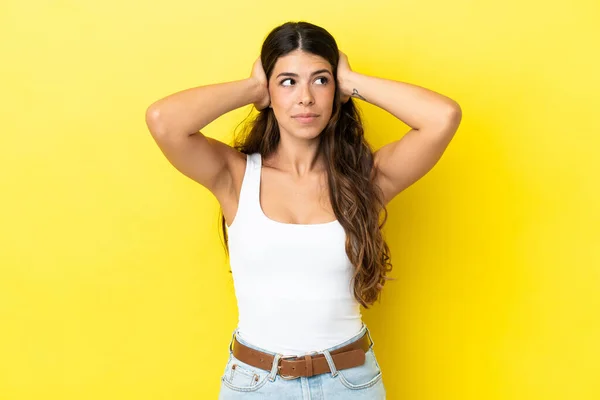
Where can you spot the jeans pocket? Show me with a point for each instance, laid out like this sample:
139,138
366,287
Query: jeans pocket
243,377
362,376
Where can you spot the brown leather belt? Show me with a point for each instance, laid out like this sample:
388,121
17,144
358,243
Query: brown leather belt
292,367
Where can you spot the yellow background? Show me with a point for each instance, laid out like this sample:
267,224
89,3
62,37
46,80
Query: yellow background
113,280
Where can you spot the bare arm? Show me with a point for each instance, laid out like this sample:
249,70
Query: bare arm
434,119
186,112
176,120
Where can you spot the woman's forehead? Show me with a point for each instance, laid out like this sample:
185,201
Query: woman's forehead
301,63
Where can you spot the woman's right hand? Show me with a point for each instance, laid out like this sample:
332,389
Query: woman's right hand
258,74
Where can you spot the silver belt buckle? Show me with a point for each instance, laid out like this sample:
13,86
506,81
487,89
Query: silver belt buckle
286,377
289,377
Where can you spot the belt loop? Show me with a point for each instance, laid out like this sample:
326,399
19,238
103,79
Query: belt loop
231,343
274,368
332,367
370,338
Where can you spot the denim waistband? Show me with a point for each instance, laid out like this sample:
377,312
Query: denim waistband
360,334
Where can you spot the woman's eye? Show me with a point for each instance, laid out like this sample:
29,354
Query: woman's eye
322,78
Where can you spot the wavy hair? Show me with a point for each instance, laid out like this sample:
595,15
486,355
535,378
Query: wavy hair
356,199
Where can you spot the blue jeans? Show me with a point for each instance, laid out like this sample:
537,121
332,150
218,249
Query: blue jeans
248,382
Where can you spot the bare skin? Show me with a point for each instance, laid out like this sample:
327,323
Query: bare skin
293,181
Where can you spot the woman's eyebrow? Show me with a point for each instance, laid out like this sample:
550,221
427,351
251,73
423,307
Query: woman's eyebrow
296,75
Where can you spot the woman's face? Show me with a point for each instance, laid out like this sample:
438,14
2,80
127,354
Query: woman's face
302,83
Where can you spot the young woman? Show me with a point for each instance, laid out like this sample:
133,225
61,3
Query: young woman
302,196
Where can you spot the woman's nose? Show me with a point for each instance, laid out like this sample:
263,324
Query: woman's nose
306,96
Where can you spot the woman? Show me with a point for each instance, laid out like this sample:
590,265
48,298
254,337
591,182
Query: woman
301,198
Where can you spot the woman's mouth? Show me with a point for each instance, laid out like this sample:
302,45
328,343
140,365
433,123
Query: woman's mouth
305,118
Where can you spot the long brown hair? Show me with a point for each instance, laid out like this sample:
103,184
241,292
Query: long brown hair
356,199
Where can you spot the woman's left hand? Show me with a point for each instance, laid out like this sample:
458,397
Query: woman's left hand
343,71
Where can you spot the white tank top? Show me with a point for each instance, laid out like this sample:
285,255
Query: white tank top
292,281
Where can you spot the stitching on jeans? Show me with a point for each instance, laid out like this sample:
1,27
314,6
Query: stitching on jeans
365,385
